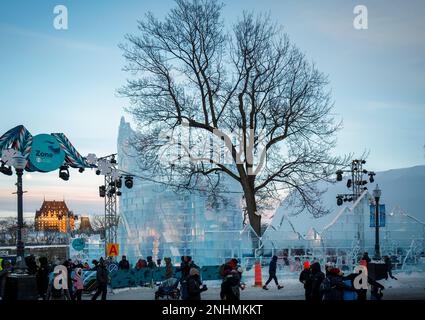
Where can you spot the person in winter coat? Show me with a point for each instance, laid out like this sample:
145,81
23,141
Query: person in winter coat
140,264
31,264
317,277
55,293
230,287
366,258
151,263
194,285
78,284
349,292
69,266
305,278
102,280
389,268
272,274
168,268
5,270
333,286
124,264
42,277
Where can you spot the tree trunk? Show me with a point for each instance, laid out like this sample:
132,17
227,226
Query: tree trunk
251,208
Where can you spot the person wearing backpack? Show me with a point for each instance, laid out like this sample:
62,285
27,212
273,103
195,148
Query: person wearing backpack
333,285
230,287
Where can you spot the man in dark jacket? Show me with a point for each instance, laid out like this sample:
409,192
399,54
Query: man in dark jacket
102,280
230,287
194,285
317,277
124,264
305,278
272,274
42,277
389,267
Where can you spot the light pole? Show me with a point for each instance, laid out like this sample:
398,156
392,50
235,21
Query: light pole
19,163
377,194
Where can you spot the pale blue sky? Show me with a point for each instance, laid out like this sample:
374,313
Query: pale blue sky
66,80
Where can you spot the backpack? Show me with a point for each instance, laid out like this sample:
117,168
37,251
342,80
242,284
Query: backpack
325,286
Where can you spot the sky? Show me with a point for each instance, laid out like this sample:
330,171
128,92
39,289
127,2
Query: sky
66,80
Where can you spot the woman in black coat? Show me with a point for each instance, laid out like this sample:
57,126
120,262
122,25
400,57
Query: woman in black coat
194,285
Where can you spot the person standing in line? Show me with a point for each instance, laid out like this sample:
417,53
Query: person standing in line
272,274
124,264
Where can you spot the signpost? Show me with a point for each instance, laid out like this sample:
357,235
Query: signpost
46,153
113,249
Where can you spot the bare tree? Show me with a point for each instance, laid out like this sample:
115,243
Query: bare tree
245,104
99,224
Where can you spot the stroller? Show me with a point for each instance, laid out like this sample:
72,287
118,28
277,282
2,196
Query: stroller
168,289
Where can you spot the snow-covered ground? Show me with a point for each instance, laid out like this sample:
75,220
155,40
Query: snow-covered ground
407,287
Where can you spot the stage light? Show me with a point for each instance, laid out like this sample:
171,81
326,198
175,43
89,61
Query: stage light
102,191
64,173
6,170
349,181
128,182
339,175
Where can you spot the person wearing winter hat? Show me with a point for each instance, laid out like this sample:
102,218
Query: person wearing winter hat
194,285
333,286
306,279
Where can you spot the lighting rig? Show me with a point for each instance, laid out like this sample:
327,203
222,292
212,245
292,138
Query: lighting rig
356,183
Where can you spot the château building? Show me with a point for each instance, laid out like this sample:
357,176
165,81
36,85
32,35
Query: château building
54,216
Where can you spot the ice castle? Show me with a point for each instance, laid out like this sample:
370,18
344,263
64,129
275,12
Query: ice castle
158,222
155,221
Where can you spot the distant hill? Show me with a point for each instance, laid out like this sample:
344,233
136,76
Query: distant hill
402,190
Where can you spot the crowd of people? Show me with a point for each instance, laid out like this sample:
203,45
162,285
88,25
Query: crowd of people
331,284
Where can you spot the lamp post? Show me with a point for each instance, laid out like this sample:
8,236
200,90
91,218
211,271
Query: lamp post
19,163
377,194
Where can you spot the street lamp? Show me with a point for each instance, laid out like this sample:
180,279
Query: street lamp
19,163
377,194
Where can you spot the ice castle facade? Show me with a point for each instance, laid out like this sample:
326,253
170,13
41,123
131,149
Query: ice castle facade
157,222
